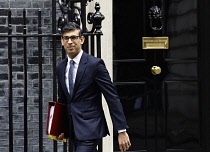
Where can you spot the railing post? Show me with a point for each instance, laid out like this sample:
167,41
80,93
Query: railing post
25,84
54,63
40,82
10,82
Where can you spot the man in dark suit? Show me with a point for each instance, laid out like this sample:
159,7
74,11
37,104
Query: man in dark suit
82,79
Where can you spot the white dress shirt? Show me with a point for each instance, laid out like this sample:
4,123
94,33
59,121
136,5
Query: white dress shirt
76,65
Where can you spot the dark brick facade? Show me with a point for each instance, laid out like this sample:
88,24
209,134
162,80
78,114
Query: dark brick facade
31,7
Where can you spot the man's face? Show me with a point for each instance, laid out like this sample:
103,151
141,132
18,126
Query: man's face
72,42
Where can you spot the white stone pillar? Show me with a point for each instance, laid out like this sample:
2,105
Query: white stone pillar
106,55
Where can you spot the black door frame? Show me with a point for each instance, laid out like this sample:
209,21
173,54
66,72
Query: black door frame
204,66
203,16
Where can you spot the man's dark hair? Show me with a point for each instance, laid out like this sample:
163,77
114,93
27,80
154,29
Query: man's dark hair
71,26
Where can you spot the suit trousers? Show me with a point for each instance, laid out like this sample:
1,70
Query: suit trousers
86,146
83,145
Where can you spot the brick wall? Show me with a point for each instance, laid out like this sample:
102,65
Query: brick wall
31,7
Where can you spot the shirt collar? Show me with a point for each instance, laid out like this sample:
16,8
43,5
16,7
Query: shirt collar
77,58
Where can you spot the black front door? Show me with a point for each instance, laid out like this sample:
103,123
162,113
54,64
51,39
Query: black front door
163,106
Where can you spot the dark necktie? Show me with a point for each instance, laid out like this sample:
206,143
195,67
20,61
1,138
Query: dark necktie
71,82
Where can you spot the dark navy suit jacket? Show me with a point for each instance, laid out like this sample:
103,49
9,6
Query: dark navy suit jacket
85,106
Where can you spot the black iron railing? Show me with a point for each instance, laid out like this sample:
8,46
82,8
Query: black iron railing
92,45
24,36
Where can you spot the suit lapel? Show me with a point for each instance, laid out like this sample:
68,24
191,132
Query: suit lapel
62,74
80,71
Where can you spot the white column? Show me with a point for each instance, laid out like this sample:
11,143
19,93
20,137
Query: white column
106,55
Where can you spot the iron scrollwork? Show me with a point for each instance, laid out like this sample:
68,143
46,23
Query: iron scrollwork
96,19
66,10
155,16
73,13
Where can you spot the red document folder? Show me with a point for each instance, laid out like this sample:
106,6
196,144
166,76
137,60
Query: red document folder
57,122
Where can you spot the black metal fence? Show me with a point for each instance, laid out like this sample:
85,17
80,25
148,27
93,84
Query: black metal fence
25,36
91,46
